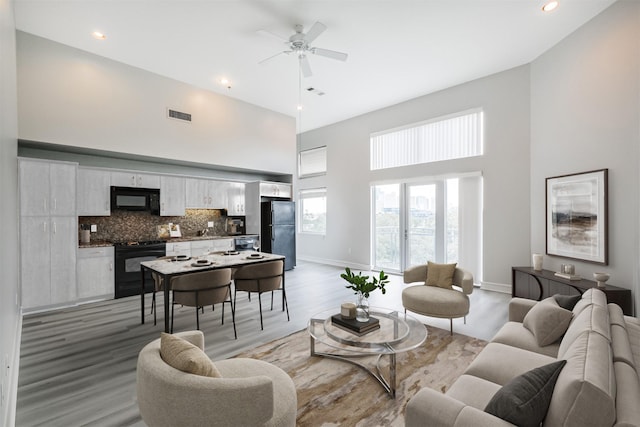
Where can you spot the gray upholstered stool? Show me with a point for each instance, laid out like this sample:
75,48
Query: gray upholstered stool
433,301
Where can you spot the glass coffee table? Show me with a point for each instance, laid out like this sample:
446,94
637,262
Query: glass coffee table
398,332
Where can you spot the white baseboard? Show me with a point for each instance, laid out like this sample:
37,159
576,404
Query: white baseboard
496,287
336,263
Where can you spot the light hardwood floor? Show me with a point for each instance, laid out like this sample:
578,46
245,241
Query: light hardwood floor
77,365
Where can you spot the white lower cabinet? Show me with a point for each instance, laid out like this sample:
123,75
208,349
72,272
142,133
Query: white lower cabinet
178,248
48,260
96,276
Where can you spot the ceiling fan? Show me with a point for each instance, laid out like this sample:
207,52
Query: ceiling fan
300,45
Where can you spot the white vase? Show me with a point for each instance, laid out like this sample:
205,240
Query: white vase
537,262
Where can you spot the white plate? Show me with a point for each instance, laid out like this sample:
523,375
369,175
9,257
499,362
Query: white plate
201,264
181,258
255,257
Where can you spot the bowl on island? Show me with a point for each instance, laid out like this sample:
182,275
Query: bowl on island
601,278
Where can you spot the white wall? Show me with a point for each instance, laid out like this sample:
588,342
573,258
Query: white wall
71,97
504,98
9,284
585,115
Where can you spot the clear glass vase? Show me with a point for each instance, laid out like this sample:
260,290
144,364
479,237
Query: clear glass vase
362,308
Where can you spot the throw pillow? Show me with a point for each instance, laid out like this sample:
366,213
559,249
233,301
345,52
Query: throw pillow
440,275
184,356
547,321
524,400
567,301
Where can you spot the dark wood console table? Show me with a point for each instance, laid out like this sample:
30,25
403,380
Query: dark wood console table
529,283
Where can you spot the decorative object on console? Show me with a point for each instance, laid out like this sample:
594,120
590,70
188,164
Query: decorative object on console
362,286
537,262
577,216
601,279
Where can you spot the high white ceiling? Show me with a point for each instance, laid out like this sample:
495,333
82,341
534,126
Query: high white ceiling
398,49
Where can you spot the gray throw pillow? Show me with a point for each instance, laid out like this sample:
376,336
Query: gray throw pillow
567,301
547,321
524,400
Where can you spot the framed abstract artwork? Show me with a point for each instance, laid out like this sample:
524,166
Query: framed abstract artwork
577,217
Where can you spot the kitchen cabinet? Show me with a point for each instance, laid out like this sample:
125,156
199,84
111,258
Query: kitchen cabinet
275,189
178,248
94,195
48,232
48,260
205,194
235,199
47,188
95,272
172,196
134,179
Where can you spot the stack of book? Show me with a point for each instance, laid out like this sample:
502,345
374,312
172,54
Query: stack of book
354,326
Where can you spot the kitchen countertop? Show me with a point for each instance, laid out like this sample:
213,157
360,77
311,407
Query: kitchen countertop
103,243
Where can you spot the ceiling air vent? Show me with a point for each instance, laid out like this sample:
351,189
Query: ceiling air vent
316,91
178,115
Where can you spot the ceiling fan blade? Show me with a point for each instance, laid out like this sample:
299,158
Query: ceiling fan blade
304,66
267,33
329,53
273,56
315,30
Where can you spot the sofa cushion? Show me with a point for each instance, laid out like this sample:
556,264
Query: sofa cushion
524,400
547,321
627,395
440,275
567,301
586,378
592,318
516,335
500,363
435,301
186,357
473,391
591,296
620,346
633,329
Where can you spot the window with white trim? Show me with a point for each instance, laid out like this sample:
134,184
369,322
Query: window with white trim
312,162
313,211
449,137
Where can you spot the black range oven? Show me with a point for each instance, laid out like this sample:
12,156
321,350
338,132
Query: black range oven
128,256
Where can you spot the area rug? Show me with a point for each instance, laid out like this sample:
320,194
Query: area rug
337,393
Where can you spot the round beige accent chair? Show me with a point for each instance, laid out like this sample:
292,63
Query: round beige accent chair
435,301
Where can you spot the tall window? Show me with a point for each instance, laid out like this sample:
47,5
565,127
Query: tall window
312,162
313,211
438,219
451,137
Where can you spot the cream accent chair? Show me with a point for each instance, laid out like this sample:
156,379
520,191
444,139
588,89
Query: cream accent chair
433,301
250,393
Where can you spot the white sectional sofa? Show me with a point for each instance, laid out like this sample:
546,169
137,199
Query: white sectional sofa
598,386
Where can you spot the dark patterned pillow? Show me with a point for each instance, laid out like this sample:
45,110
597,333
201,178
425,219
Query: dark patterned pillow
567,301
524,400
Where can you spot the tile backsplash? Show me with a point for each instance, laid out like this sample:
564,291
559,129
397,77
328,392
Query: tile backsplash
123,226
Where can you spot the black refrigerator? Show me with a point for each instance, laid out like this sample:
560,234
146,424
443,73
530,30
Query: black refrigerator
278,230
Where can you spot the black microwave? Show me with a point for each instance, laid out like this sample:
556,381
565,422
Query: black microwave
135,199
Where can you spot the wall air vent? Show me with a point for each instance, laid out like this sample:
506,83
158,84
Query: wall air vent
178,115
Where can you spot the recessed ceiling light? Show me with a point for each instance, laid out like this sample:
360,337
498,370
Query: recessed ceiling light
549,6
299,107
225,82
98,35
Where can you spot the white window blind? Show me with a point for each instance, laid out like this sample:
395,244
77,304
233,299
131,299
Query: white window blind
444,138
312,162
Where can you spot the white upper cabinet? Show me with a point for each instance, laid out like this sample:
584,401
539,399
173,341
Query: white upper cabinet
134,179
47,188
275,189
94,192
206,194
172,196
235,201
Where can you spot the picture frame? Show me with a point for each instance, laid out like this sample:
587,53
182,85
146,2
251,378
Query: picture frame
577,216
